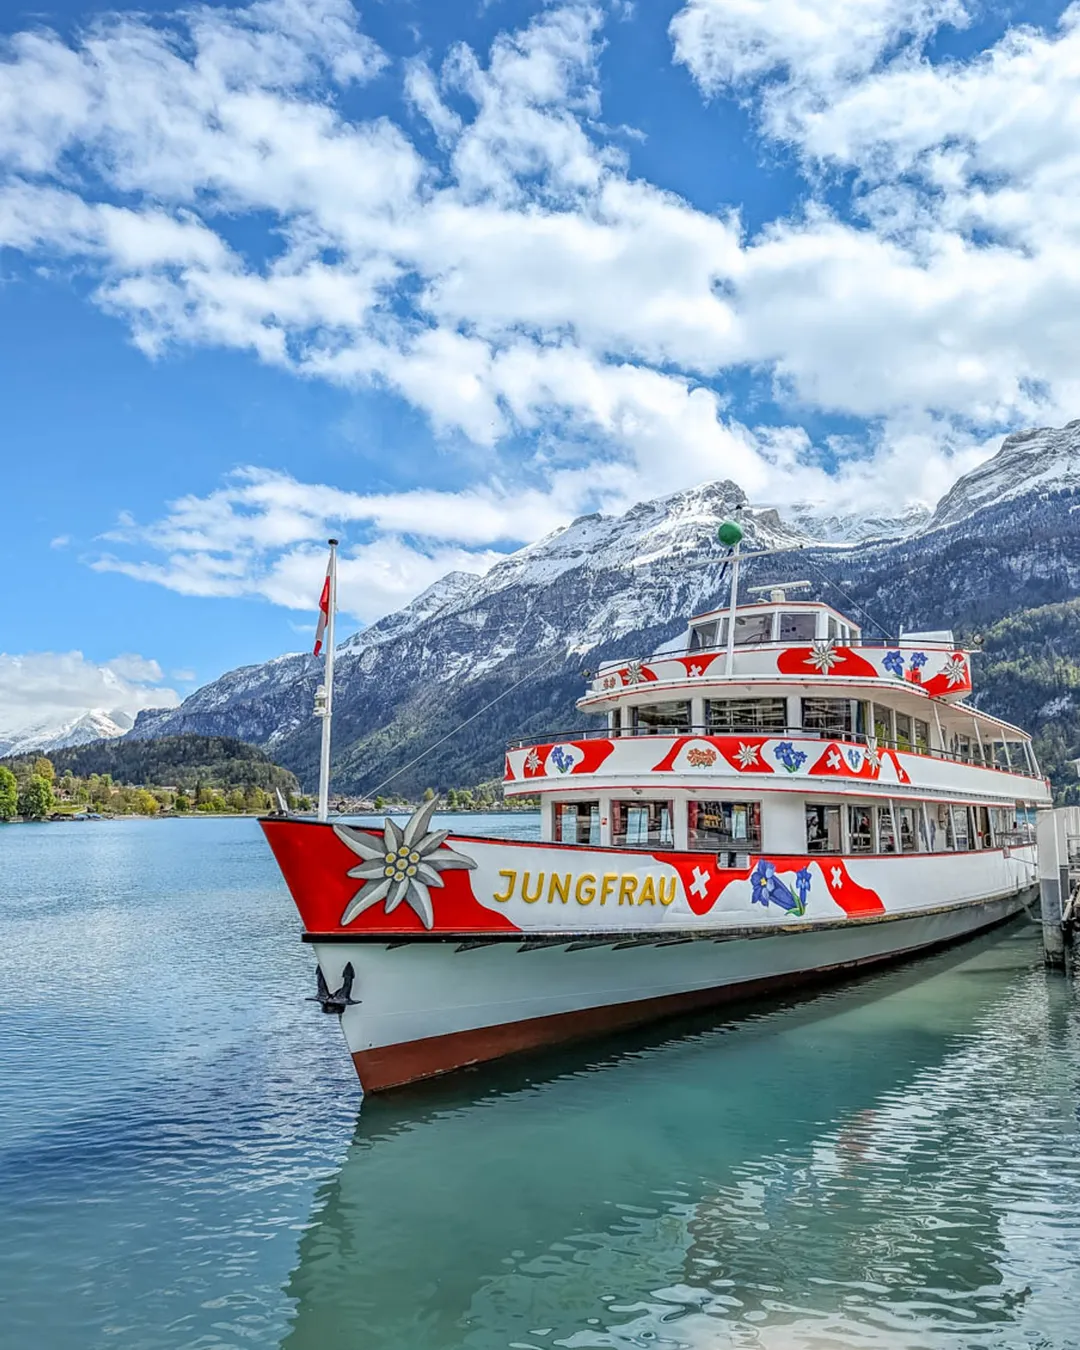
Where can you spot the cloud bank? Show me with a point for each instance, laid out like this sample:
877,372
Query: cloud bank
490,259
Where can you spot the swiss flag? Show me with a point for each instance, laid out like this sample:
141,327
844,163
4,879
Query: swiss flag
324,613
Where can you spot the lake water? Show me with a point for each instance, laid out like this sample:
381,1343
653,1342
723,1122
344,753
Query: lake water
185,1160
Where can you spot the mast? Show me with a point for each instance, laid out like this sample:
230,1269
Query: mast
324,705
730,533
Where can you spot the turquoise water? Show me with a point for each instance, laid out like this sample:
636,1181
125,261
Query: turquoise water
185,1160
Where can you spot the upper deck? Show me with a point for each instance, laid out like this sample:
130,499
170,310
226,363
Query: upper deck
787,643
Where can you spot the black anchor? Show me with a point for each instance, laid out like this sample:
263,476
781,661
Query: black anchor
340,999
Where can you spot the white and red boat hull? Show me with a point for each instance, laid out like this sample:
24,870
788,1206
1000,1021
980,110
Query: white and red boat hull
530,944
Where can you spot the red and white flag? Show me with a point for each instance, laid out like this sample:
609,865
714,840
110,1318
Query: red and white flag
324,612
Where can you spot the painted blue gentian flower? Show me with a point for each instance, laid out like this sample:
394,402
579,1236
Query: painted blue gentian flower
786,754
767,888
894,662
802,885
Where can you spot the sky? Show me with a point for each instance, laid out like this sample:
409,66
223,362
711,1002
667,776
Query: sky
437,276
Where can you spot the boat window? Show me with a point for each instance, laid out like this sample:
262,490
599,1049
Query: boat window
641,824
577,822
717,827
942,838
615,721
883,725
798,627
704,635
961,837
823,829
926,826
961,748
658,719
724,716
834,627
886,838
982,827
907,828
921,735
860,829
827,716
752,628
903,731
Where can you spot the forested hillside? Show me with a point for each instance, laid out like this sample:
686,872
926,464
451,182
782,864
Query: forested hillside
216,762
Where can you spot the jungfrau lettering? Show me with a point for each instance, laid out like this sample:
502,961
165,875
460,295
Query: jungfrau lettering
622,888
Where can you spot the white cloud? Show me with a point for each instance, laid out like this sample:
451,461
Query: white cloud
48,688
518,285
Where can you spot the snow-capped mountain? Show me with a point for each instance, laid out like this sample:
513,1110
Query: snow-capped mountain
1006,536
94,725
1043,460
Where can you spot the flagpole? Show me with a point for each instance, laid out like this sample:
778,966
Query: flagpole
328,686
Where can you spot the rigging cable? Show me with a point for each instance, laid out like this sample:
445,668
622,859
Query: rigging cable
853,603
461,725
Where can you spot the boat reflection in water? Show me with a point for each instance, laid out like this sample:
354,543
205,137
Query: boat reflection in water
862,1167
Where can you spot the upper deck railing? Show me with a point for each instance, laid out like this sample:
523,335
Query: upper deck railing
856,738
942,672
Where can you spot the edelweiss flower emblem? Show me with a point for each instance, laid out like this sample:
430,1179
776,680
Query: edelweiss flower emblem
633,673
747,755
873,754
399,866
823,656
532,760
955,670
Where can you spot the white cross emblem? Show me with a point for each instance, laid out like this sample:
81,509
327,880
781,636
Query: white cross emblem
837,877
700,884
695,670
833,760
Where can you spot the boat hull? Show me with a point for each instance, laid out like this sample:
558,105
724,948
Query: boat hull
493,946
429,1007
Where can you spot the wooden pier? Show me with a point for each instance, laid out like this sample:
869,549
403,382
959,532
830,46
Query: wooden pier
1058,838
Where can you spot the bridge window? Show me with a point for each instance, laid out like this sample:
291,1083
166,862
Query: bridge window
921,735
661,719
827,716
577,822
861,829
798,627
753,628
703,636
717,827
743,715
640,824
823,829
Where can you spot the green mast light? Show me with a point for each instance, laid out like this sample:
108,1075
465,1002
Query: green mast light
730,533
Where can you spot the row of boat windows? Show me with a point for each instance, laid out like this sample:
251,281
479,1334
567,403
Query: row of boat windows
735,827
835,718
774,626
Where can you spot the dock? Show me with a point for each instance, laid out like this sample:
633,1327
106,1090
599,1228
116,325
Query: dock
1057,835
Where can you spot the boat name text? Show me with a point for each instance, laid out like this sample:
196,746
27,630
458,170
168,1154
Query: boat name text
623,888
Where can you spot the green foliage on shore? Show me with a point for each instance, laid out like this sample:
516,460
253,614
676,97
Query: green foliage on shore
9,794
1029,674
181,774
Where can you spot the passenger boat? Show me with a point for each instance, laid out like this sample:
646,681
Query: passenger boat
769,799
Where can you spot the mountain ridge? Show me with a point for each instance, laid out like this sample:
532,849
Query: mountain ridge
606,586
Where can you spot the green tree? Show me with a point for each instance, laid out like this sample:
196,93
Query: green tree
9,794
429,794
183,802
145,803
235,800
43,768
379,803
36,798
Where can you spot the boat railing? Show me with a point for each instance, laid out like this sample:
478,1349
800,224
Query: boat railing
774,733
718,649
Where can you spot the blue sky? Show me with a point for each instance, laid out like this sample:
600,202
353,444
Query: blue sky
440,276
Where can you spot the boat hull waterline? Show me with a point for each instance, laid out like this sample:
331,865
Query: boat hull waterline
514,945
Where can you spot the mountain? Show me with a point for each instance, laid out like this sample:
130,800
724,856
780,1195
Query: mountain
476,661
95,725
1045,460
820,523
